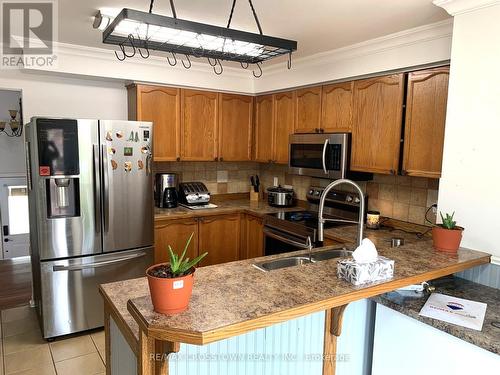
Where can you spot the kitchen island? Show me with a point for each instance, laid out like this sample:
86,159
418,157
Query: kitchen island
234,299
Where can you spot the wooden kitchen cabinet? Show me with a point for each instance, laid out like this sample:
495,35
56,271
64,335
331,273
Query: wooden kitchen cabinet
284,120
175,233
264,133
377,121
198,125
308,110
161,105
219,235
426,101
336,107
235,127
252,237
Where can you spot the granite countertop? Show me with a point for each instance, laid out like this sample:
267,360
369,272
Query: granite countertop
225,206
231,298
410,304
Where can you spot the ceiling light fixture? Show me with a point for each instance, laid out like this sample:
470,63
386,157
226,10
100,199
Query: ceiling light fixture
143,31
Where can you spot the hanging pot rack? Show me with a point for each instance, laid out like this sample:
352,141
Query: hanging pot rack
136,31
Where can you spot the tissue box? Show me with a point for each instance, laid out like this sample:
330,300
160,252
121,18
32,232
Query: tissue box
360,273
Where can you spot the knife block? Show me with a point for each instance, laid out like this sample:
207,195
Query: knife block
254,196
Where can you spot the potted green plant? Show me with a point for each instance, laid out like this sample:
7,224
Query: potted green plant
171,284
447,235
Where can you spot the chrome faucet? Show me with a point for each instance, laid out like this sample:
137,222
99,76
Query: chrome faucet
322,220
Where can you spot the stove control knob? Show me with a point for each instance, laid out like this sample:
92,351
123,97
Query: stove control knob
356,200
348,199
317,193
311,192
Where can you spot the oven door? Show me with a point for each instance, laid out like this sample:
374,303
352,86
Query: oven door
278,242
319,155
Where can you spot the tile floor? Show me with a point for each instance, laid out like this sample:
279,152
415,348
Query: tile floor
24,352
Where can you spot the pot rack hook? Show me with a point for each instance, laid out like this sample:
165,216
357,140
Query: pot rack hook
210,62
131,40
187,66
174,61
244,65
289,62
220,70
260,71
123,53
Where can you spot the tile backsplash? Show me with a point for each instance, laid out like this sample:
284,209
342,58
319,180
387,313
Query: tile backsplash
219,177
399,197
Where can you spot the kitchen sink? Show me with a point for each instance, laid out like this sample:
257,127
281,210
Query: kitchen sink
330,254
298,260
282,263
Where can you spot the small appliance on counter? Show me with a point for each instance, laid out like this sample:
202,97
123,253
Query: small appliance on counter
194,195
166,190
278,196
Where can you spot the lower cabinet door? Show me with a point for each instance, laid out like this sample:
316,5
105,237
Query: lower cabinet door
219,235
175,233
252,244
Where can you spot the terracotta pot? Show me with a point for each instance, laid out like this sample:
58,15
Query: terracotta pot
170,296
447,240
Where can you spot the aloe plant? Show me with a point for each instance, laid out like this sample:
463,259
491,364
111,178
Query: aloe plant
178,265
448,222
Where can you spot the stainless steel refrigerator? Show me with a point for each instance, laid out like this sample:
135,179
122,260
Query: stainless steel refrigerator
91,214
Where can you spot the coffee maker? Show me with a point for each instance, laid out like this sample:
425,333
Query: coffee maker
166,190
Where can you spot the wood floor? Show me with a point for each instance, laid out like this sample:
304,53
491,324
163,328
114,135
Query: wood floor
15,282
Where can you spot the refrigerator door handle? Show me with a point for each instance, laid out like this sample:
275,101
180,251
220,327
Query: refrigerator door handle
79,267
105,185
97,189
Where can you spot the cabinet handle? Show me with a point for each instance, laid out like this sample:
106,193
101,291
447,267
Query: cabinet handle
316,130
392,171
216,159
178,158
321,130
404,173
221,159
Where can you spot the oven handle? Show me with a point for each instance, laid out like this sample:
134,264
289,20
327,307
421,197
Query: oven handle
323,159
276,236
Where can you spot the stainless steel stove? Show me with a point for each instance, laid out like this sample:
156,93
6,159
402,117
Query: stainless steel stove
288,231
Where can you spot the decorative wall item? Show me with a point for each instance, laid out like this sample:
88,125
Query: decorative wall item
16,126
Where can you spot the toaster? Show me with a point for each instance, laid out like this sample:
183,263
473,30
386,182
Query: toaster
193,193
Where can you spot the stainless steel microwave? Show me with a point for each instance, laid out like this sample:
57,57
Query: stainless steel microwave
322,155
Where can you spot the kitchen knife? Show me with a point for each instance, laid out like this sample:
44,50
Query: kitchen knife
257,183
252,181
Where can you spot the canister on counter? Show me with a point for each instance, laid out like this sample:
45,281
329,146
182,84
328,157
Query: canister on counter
373,219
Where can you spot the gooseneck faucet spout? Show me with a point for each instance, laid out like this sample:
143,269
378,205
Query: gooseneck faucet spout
321,220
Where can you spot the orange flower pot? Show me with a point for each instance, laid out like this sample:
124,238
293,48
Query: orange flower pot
170,295
447,240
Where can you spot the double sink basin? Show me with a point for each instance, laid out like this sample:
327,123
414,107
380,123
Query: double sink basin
292,261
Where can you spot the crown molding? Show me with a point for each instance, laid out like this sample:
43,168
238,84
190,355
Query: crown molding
438,30
455,7
77,60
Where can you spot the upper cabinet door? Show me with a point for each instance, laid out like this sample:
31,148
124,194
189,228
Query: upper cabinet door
199,125
284,106
425,120
264,133
377,120
308,110
161,105
235,127
336,107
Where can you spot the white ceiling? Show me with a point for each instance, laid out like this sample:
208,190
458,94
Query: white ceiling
317,25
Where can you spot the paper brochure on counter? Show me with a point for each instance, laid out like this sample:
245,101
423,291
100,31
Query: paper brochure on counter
455,310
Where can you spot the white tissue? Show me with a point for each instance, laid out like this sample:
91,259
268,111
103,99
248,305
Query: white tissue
366,252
